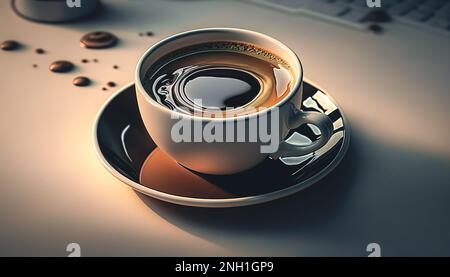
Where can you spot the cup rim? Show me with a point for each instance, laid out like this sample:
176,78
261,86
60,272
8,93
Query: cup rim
140,88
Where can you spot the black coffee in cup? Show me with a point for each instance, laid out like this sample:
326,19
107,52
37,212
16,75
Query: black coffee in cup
219,78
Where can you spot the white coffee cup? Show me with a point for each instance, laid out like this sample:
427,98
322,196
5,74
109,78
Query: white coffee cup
227,157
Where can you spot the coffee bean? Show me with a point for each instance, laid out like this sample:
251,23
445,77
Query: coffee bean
9,45
98,40
116,67
40,51
111,84
149,34
81,81
104,89
84,60
61,66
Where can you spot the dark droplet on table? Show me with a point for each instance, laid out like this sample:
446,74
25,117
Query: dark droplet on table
377,29
111,84
84,60
35,65
40,51
95,60
61,66
98,40
116,67
81,81
9,45
104,89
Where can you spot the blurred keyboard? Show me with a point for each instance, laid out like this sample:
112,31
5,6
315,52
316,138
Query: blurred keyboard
428,14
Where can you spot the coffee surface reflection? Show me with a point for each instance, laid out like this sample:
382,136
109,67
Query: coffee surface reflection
217,77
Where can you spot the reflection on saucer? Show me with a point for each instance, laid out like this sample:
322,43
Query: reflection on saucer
164,174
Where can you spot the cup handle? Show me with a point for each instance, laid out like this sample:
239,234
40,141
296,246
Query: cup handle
298,118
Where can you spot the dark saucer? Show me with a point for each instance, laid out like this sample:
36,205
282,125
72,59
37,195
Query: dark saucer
128,152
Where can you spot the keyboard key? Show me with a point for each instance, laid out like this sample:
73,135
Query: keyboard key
443,14
359,4
355,15
401,9
438,23
324,8
418,15
432,5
